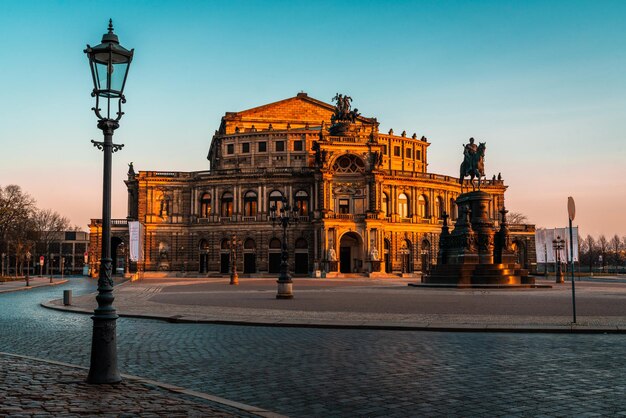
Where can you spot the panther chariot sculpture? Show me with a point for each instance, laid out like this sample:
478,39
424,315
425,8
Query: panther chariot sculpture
473,164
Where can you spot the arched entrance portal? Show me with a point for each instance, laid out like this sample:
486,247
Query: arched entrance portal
249,256
302,256
225,256
388,267
274,256
118,249
520,253
203,250
425,256
351,253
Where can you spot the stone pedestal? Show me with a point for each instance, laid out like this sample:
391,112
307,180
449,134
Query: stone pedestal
474,253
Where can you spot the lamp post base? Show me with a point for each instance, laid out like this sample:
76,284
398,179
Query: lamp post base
285,289
103,352
234,279
559,278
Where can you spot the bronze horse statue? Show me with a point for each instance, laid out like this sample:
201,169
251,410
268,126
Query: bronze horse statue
476,166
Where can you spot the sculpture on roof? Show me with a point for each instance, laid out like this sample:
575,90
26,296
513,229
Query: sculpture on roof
343,112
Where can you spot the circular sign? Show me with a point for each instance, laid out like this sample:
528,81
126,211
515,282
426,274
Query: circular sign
571,208
41,260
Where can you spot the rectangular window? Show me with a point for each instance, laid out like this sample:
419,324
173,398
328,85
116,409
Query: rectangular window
70,236
280,146
245,147
344,206
297,145
396,151
230,149
409,153
385,149
418,155
263,146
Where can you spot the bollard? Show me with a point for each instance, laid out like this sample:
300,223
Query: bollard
67,297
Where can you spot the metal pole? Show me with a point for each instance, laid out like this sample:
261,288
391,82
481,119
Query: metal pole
103,367
571,252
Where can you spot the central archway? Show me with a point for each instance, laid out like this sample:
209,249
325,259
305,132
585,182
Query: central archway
351,253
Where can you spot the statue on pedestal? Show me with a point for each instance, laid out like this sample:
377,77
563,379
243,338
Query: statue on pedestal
473,162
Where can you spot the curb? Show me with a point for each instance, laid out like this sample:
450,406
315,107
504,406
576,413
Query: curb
557,329
18,289
171,388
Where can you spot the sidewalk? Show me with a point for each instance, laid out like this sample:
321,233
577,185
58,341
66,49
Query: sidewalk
370,303
35,387
36,281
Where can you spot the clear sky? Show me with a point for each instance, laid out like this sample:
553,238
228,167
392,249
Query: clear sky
542,82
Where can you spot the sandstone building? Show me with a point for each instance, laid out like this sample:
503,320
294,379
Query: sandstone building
362,196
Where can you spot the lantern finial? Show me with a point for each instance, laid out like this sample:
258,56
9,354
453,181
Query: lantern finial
110,25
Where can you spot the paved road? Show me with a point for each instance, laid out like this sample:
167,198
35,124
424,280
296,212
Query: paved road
318,372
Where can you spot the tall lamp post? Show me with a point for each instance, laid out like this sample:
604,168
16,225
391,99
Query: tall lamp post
109,63
234,243
558,244
28,255
284,216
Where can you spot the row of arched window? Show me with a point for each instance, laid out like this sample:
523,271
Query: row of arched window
423,208
251,203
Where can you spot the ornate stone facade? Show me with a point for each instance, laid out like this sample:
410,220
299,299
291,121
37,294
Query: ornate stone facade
365,197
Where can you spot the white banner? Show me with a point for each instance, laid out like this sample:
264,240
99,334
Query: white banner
544,246
540,245
135,231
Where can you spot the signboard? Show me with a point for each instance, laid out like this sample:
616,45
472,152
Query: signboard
571,208
544,246
135,232
41,260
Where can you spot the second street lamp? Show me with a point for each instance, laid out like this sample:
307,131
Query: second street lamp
109,63
558,244
284,216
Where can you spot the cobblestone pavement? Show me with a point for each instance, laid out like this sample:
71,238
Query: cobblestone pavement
371,303
34,388
16,285
327,372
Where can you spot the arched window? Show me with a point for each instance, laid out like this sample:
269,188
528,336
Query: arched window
422,207
275,244
227,204
249,244
453,210
276,199
250,204
301,244
349,164
403,206
385,204
205,205
439,207
302,203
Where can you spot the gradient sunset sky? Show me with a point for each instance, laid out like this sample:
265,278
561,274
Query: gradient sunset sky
542,82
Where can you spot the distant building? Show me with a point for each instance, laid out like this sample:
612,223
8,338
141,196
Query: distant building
362,196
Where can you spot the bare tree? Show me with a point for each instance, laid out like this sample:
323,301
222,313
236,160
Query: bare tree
588,250
516,218
16,211
47,226
616,246
603,247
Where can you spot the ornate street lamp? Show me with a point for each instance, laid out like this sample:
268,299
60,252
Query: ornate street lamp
109,63
284,216
233,244
558,244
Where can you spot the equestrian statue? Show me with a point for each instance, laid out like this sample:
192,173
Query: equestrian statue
473,164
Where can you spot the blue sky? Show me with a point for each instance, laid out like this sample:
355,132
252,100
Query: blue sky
542,82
